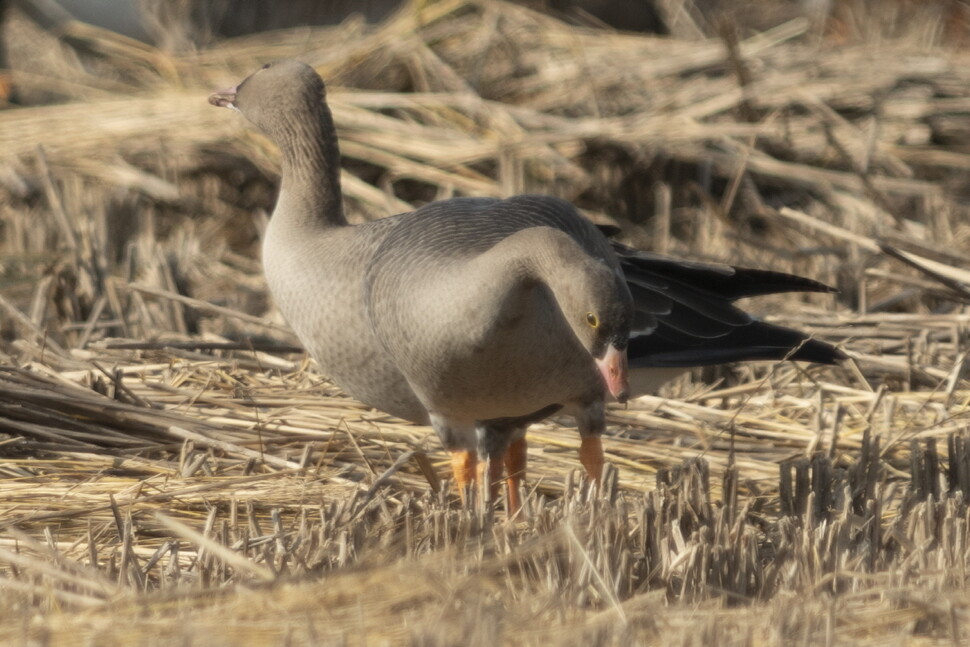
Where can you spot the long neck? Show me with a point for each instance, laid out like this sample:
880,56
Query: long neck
547,255
310,188
525,260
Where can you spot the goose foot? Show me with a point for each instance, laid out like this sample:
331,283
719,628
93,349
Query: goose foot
515,464
463,465
474,477
591,456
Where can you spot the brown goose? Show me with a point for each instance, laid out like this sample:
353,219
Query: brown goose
479,315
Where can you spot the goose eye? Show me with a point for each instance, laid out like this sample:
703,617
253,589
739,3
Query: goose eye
592,320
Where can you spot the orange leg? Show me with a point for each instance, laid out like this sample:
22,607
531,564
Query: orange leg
463,464
6,87
591,456
515,464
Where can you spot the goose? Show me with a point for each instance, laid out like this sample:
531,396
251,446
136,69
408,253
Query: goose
481,316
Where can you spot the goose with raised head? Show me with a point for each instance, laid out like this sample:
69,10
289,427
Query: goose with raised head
482,315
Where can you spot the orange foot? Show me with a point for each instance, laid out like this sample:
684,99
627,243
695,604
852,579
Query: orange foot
483,478
591,456
463,465
515,464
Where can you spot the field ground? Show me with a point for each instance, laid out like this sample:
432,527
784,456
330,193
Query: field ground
175,472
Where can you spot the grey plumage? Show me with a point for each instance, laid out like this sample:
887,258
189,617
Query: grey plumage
481,315
443,293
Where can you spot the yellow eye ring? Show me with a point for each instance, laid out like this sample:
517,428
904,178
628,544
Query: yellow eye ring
592,320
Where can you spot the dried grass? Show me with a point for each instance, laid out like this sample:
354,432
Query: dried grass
174,471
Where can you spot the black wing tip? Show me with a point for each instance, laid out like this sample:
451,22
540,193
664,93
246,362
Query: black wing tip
811,285
818,352
757,341
754,283
609,231
730,282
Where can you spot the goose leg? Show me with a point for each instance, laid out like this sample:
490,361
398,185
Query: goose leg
504,440
591,456
463,465
493,441
591,420
515,466
474,477
501,440
462,440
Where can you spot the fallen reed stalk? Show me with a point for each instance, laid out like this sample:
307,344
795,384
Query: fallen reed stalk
174,470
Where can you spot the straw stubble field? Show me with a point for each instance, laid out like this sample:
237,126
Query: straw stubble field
174,471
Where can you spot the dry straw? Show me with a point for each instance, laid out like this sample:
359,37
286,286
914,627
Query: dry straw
173,471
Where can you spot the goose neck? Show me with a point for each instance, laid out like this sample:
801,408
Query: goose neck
310,187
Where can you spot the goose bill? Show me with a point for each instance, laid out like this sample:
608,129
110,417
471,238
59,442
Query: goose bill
613,368
224,98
